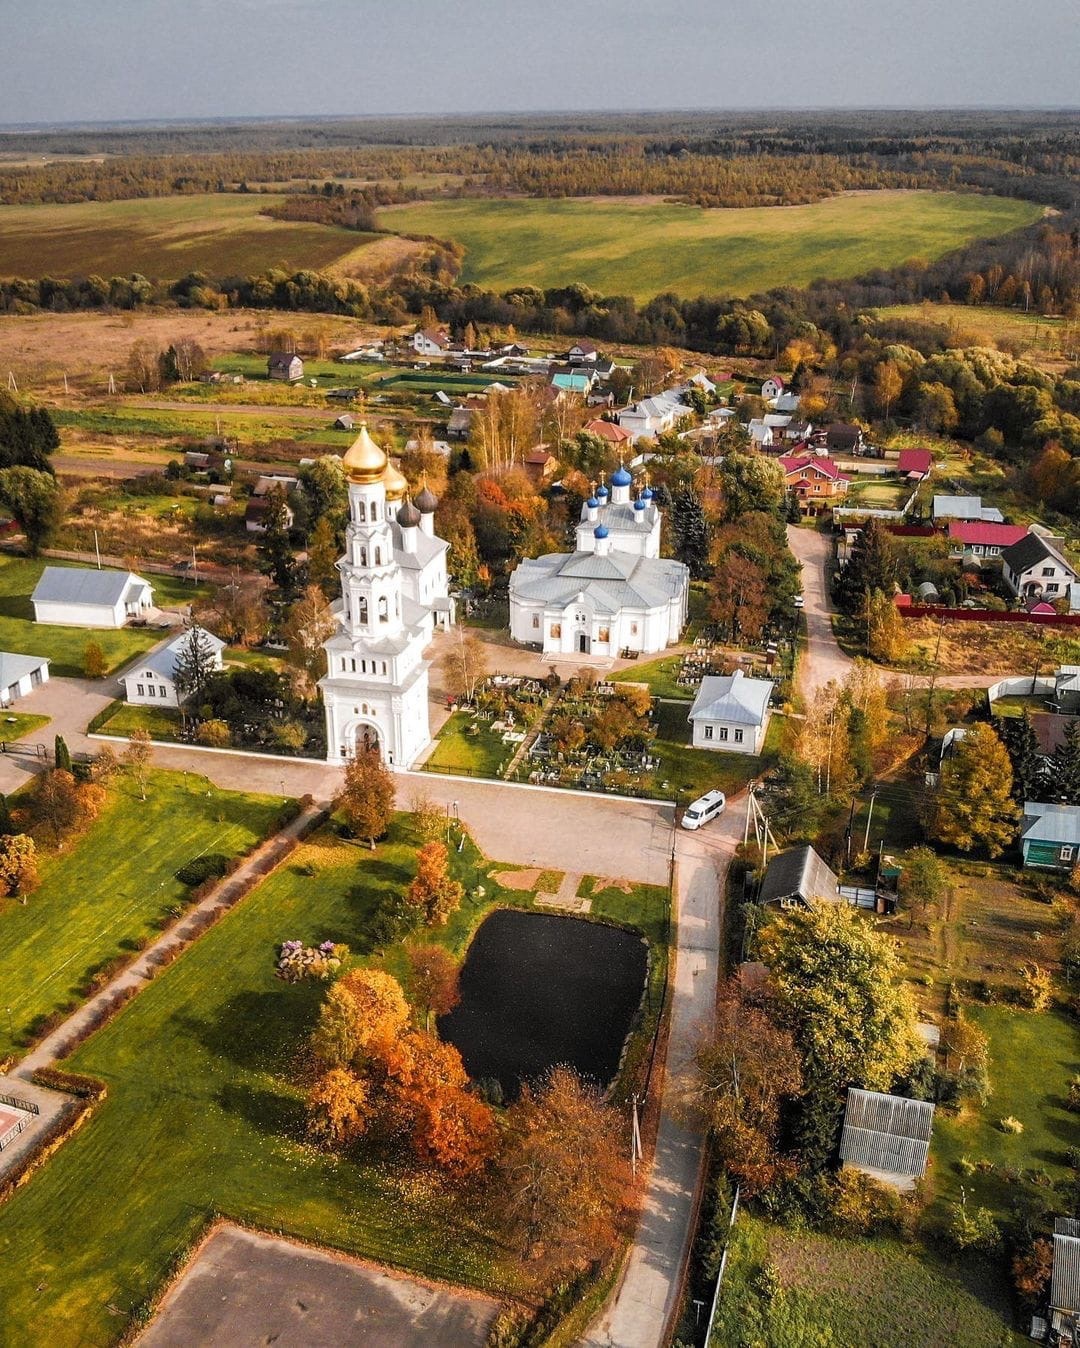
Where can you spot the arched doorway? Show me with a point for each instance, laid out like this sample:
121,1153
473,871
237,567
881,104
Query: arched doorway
361,738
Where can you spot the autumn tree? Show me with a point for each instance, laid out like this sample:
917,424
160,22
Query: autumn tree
428,817
323,558
464,665
18,865
973,808
738,596
562,1179
1031,1270
886,639
839,988
55,803
136,759
95,666
367,797
239,611
924,882
434,891
433,980
745,1071
338,1107
888,385
362,1011
308,624
429,1100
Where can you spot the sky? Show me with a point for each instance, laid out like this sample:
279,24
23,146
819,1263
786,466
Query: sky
105,60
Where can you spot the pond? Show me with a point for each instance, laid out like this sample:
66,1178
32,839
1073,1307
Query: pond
539,990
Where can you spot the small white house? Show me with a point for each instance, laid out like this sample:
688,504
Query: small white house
761,433
772,387
428,342
78,596
152,684
731,713
19,674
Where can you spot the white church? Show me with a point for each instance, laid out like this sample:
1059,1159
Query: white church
394,593
614,592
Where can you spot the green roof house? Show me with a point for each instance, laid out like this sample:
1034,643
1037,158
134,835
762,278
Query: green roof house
1050,836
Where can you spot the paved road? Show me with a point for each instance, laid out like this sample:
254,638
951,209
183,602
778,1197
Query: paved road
641,1311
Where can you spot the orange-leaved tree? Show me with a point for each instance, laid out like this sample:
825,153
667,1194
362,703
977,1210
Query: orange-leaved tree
434,891
433,980
367,797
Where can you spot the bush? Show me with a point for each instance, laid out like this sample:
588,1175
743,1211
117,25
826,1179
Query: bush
973,1229
214,734
209,866
1011,1125
1073,1102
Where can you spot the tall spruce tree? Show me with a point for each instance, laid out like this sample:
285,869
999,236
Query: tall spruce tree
276,557
691,530
62,753
194,662
1063,770
871,566
1018,736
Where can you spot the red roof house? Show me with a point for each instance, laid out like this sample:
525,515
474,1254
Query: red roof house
983,538
815,480
916,463
607,430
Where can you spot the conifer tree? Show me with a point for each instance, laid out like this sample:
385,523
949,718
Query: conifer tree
194,662
871,566
1063,772
1018,736
691,530
62,753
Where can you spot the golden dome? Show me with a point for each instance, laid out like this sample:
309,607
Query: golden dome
396,485
364,461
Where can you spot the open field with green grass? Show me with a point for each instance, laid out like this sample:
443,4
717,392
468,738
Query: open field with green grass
108,889
874,1293
987,324
122,718
164,238
620,248
469,746
692,772
65,646
204,1112
878,493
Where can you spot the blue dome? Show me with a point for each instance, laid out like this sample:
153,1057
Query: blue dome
620,477
647,494
600,531
603,491
639,505
592,503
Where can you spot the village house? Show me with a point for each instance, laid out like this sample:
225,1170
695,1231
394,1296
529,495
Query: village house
798,877
772,387
257,514
540,464
798,431
285,366
785,402
460,420
760,433
429,342
844,438
20,674
816,481
731,713
915,464
654,416
572,381
77,596
982,539
583,352
153,683
614,434
440,447
1050,836
1033,568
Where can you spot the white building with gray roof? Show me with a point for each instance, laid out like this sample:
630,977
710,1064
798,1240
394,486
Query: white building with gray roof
20,674
152,683
614,593
731,713
78,596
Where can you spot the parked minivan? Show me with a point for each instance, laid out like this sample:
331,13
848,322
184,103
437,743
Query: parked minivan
704,809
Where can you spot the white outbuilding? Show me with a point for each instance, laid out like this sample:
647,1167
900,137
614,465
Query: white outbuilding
20,674
78,596
153,682
731,713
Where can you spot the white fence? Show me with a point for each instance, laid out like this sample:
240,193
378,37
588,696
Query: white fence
1024,685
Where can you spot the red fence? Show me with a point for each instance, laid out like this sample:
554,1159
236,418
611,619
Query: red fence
987,615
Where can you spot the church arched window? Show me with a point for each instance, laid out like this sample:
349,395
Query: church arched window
363,556
361,512
378,556
384,613
362,611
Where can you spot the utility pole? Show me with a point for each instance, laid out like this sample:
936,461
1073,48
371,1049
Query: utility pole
869,816
13,387
97,550
847,831
746,826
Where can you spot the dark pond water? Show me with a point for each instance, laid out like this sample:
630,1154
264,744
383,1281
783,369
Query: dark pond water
537,991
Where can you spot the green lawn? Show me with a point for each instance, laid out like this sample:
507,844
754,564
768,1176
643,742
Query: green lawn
986,323
692,772
111,886
659,675
165,237
481,754
204,1114
1032,1060
16,725
878,493
65,646
249,427
640,250
870,1293
161,723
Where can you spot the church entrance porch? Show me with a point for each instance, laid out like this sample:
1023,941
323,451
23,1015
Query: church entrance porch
583,643
360,738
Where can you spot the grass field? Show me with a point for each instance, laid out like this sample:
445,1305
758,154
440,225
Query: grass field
204,1113
65,646
874,1293
164,238
640,250
111,886
986,324
16,725
481,754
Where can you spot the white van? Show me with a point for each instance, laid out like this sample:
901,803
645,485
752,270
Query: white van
704,809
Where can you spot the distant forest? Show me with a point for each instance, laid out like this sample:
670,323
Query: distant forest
707,160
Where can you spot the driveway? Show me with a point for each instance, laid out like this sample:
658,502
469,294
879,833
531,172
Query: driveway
823,659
